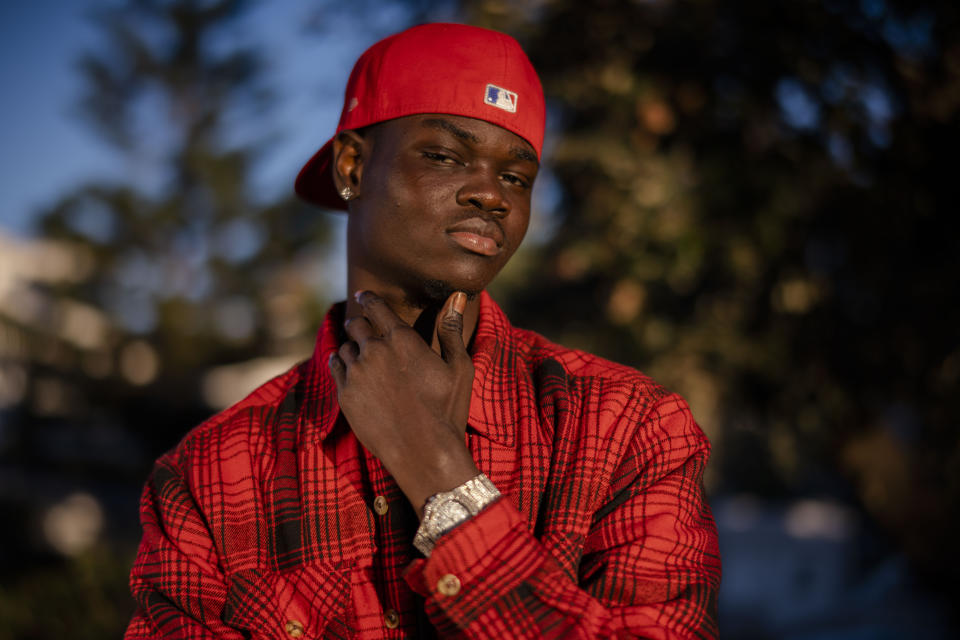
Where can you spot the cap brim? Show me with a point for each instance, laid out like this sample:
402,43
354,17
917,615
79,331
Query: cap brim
314,183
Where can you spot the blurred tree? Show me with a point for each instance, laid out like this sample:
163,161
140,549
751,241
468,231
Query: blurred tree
189,265
88,599
755,205
138,288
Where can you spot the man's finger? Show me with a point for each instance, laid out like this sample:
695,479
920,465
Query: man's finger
378,312
349,351
450,328
359,329
338,369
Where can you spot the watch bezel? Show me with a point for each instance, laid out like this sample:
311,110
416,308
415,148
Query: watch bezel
446,510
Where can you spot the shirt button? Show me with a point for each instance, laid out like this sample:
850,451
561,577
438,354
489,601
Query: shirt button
294,628
391,619
449,585
380,505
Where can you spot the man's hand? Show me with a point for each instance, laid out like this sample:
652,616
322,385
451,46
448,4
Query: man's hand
407,405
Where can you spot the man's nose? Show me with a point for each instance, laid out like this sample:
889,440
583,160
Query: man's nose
484,191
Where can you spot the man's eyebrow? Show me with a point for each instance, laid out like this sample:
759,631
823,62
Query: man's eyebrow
446,125
440,123
524,154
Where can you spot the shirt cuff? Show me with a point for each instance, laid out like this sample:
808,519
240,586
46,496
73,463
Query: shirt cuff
485,557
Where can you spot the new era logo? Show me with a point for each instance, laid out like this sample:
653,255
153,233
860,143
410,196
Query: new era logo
500,98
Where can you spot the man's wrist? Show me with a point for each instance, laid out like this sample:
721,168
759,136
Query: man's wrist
428,471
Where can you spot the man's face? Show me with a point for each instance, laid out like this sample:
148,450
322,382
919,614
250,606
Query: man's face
444,202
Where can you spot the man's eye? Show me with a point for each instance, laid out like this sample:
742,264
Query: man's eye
515,180
438,157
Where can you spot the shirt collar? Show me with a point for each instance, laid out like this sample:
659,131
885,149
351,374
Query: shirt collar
320,408
493,402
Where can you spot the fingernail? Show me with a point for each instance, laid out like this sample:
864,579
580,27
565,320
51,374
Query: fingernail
459,302
357,294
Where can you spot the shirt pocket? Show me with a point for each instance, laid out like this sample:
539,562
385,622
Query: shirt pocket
306,602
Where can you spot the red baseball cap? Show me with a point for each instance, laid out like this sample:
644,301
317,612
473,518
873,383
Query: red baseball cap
454,69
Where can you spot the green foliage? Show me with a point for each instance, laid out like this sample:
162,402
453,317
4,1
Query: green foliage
189,266
162,273
84,598
755,211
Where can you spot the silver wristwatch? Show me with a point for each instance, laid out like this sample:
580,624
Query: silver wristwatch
447,509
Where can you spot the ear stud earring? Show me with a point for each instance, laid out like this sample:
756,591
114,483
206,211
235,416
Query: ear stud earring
347,194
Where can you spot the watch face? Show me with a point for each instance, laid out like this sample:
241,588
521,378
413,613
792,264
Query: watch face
449,514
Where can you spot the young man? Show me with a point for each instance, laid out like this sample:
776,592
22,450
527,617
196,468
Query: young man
432,471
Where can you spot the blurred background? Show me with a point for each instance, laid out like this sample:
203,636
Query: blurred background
749,201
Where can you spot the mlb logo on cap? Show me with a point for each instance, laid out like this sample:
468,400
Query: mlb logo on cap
501,98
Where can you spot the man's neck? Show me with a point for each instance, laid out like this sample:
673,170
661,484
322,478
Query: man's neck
423,319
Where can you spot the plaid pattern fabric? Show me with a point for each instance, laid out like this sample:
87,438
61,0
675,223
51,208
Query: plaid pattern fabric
262,523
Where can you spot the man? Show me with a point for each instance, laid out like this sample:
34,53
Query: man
432,471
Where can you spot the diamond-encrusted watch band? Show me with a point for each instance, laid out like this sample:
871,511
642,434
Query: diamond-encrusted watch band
447,509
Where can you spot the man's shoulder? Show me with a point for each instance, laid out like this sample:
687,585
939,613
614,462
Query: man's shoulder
540,351
619,401
242,423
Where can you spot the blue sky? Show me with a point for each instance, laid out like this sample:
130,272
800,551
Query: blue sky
48,149
44,148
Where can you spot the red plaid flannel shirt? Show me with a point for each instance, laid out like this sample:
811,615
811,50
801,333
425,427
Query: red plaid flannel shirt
270,520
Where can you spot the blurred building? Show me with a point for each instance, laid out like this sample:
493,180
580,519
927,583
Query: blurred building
74,445
814,569
49,343
44,331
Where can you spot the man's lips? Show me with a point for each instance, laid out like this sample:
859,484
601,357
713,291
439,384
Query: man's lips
483,237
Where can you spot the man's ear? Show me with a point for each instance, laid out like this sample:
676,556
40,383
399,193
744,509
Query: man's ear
348,158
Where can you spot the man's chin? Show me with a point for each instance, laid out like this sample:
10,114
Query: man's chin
433,293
